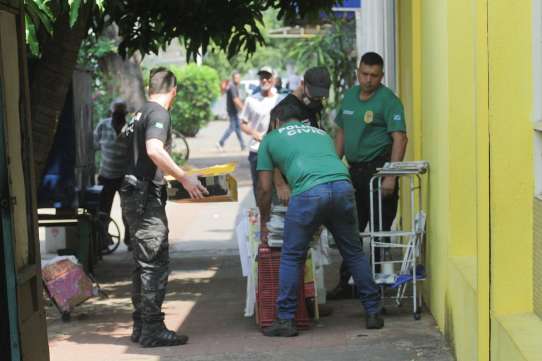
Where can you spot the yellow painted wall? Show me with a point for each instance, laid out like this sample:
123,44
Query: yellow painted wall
466,79
515,328
434,117
511,98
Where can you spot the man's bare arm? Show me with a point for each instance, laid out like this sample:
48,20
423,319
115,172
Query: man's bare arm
398,149
399,145
161,158
238,103
283,190
247,129
339,142
263,199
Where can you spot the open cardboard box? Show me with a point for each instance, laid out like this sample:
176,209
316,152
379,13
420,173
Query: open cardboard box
221,184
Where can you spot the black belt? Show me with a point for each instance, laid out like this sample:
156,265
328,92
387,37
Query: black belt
375,163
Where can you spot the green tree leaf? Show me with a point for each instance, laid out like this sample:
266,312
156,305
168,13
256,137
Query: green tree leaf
74,10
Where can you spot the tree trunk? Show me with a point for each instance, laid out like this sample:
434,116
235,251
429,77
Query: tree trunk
50,78
125,79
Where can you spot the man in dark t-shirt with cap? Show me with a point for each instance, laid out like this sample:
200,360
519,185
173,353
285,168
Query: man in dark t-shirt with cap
306,99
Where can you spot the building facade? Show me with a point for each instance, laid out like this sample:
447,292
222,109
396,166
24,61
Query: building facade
23,334
470,76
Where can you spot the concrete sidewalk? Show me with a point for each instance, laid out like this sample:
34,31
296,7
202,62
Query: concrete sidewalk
206,300
206,296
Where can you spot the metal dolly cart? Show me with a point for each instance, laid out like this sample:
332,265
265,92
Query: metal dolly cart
399,256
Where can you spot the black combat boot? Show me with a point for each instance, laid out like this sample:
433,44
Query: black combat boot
136,331
157,335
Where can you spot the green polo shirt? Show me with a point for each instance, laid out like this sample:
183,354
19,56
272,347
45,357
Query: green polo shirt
367,124
304,154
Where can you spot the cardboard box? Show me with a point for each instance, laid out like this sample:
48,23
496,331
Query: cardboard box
222,186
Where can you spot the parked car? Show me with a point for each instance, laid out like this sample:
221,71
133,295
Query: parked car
247,87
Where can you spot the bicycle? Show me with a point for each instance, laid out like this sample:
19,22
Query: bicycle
109,235
105,231
179,146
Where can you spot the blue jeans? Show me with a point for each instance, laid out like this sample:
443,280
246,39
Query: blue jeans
332,205
234,127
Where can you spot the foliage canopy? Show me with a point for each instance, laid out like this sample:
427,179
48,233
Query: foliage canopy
198,88
234,26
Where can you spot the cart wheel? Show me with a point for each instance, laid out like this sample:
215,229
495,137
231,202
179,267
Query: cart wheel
66,317
417,316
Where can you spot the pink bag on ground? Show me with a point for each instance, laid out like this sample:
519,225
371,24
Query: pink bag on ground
67,283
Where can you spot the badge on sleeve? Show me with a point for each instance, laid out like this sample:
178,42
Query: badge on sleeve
368,117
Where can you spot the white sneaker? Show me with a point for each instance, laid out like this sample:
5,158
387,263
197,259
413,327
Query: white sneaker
219,147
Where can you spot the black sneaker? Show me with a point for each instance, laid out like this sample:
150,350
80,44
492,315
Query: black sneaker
158,336
374,321
136,332
281,328
341,292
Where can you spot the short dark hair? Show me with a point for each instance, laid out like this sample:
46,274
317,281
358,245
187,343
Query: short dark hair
372,58
161,80
284,113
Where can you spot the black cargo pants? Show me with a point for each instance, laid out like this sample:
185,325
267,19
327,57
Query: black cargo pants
361,174
143,205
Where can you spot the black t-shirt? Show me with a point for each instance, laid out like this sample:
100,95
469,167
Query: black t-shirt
310,117
232,93
151,122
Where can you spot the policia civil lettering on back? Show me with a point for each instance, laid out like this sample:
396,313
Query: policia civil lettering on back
151,122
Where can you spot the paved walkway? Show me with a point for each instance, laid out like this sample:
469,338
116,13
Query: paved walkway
206,296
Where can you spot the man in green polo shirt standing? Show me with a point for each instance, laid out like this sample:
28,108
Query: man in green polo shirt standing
371,131
321,195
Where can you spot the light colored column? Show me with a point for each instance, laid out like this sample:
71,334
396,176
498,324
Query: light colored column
375,29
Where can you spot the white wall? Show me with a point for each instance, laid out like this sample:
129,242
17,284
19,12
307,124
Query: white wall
376,32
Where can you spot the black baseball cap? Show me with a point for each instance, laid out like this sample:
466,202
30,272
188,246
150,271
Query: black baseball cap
318,81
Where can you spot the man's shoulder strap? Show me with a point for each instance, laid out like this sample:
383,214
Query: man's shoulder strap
128,132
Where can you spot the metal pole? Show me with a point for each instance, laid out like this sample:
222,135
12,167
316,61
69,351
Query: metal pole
8,239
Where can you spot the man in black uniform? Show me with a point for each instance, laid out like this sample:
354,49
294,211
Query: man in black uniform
143,199
306,99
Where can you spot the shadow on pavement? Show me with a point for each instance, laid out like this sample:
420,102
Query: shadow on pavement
205,300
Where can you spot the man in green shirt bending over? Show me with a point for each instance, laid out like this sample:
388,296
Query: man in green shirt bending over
321,195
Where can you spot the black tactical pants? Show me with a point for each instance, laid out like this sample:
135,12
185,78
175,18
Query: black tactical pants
144,209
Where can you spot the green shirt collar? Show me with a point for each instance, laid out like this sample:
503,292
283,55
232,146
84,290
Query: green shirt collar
290,123
372,96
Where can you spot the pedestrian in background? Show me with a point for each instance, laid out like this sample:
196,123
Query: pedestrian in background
234,104
113,162
255,117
